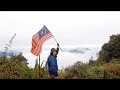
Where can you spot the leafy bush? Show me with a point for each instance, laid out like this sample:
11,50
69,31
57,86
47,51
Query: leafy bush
16,67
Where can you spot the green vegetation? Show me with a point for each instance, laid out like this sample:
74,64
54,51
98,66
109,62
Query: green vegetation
107,66
95,70
16,67
111,49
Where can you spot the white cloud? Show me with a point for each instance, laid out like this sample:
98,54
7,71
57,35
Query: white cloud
68,27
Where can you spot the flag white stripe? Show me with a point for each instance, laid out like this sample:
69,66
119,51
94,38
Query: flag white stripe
40,45
40,41
37,47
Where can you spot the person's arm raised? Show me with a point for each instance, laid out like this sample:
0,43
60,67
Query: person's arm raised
57,48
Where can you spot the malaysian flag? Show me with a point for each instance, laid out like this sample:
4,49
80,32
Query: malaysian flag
38,39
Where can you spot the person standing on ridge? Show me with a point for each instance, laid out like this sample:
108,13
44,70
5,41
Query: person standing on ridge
52,63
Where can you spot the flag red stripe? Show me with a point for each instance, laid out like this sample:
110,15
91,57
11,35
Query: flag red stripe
35,36
33,46
43,38
40,45
36,39
37,47
34,42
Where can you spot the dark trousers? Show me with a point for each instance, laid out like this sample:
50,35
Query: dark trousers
53,77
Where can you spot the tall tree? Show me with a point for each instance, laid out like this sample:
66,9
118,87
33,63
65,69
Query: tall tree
111,49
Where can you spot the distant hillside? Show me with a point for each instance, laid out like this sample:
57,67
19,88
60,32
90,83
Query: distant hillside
8,52
77,50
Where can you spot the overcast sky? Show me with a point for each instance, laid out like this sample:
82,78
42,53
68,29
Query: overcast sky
68,27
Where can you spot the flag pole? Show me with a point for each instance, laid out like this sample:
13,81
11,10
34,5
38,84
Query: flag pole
39,66
57,42
55,39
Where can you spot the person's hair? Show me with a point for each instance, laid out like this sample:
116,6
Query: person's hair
52,50
51,53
